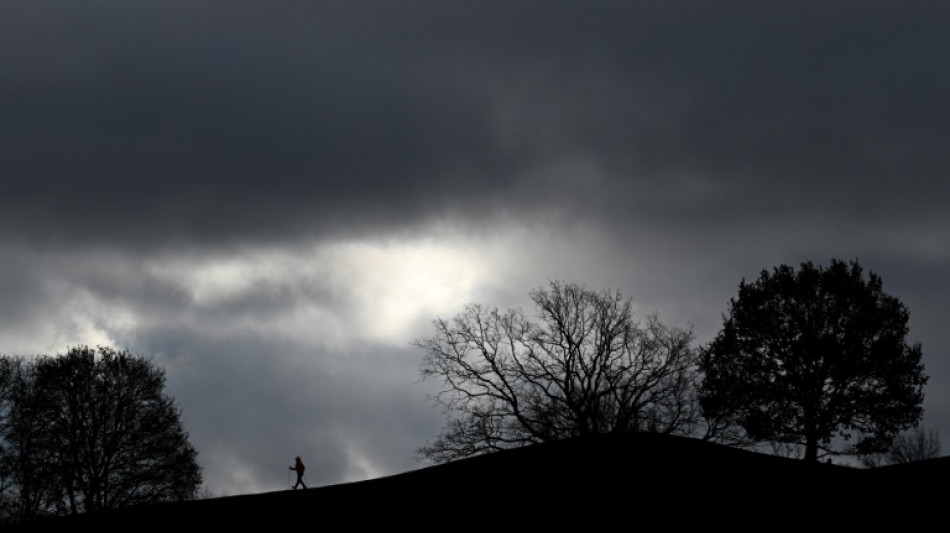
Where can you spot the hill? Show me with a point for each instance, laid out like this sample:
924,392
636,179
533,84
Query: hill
596,481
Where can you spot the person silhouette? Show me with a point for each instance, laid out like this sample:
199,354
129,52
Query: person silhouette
299,467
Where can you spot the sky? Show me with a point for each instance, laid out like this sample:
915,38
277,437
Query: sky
272,200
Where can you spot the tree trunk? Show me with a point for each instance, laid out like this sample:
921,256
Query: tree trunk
811,435
811,449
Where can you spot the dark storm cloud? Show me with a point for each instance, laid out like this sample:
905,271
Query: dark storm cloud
170,128
151,124
22,292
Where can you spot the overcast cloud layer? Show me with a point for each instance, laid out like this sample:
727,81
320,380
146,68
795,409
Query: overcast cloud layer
272,200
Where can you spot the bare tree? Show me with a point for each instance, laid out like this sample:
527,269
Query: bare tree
585,366
118,437
914,445
89,430
27,486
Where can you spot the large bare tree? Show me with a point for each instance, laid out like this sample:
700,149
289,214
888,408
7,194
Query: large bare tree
119,437
89,430
582,365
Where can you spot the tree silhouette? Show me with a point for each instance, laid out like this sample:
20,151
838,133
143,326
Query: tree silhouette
811,355
584,367
913,445
97,427
917,444
28,487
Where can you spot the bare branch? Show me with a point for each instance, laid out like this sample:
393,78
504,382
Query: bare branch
585,366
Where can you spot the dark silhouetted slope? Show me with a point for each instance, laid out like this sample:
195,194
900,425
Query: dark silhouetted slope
597,481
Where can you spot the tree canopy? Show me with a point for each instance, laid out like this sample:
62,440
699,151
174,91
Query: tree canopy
583,366
89,430
815,356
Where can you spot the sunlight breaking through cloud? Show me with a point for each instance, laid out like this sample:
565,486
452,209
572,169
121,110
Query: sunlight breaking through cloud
334,295
360,466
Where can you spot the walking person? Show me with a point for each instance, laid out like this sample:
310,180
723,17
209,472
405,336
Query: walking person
299,467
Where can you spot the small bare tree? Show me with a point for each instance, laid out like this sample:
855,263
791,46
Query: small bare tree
914,445
585,366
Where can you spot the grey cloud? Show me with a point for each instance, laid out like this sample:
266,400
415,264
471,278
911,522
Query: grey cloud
258,403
